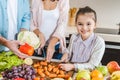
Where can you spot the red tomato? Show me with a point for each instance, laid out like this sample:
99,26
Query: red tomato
41,78
19,79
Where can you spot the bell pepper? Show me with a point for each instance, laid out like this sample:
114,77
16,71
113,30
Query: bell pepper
27,49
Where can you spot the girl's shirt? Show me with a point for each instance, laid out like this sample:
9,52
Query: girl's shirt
86,54
82,49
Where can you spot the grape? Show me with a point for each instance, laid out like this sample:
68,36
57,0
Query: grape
15,74
15,71
14,68
25,76
23,71
33,76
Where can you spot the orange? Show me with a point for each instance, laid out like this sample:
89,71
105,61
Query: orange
36,78
96,78
96,73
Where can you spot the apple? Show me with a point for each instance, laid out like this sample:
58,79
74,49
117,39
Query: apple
103,70
83,75
113,66
115,75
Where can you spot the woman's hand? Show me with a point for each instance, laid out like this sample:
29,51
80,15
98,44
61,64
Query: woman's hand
42,41
67,67
51,48
64,58
50,52
13,46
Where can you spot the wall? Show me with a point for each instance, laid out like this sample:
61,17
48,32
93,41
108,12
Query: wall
108,11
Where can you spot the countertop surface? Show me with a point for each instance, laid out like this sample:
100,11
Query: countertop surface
106,37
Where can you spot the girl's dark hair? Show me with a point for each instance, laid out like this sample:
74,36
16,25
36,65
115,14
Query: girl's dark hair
86,10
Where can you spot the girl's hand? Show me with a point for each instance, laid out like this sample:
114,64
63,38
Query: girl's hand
67,67
64,58
13,46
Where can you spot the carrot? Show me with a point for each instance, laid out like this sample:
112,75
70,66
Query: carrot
36,78
45,68
50,68
53,75
36,65
44,63
47,73
39,70
62,72
42,74
61,76
55,70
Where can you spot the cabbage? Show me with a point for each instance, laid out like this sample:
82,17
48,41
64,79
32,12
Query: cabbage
30,38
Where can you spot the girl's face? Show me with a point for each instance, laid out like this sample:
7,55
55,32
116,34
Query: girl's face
85,25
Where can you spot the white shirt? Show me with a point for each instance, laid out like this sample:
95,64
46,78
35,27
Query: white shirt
12,19
49,22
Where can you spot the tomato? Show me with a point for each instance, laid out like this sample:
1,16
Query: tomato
41,78
27,49
19,79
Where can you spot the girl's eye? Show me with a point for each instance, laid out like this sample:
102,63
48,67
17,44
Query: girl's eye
88,24
79,24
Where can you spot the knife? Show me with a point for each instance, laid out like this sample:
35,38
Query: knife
41,58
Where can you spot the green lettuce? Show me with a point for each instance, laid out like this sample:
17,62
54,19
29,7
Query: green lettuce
8,60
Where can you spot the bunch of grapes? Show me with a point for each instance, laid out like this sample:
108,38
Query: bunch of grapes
23,71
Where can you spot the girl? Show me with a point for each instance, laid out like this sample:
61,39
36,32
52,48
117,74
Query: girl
86,49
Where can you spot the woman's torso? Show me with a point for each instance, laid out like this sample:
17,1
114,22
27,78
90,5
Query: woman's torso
49,21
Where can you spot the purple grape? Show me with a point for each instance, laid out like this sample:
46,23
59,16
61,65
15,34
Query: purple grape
33,76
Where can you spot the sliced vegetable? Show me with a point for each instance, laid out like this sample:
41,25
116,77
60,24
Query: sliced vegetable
30,38
28,61
27,49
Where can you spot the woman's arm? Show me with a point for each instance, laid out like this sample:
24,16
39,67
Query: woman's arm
36,12
62,22
59,34
51,48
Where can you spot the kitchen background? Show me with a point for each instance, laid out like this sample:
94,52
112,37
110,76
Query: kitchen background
108,26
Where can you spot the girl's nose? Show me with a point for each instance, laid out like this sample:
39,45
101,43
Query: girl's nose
84,27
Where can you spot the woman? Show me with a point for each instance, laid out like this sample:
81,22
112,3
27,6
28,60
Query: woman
49,20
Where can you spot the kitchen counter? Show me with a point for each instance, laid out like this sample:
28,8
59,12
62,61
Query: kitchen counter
106,37
113,38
